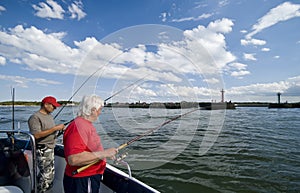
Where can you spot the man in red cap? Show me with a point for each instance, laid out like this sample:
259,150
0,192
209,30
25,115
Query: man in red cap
42,126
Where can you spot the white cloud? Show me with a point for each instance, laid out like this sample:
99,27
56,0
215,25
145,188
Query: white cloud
186,93
276,57
2,9
265,49
203,16
282,12
212,80
213,40
238,70
249,56
47,52
238,66
267,91
38,50
138,91
261,92
259,89
76,10
201,52
253,41
240,73
221,25
24,82
223,3
163,16
50,9
2,60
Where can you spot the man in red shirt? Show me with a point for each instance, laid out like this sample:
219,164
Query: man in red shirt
82,146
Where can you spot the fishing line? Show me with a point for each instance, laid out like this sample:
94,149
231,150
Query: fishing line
13,107
61,132
78,90
126,87
83,83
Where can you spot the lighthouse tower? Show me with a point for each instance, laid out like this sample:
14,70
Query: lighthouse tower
222,99
278,94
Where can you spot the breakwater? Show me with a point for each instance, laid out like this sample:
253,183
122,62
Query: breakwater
175,105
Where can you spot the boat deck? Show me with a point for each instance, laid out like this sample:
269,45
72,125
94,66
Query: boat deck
17,157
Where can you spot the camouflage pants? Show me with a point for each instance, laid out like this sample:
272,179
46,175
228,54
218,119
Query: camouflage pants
45,162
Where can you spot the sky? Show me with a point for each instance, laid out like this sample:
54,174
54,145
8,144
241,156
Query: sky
151,51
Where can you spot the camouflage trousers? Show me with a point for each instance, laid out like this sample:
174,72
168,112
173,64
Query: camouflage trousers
45,162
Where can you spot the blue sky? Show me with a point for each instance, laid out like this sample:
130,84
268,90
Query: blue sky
178,50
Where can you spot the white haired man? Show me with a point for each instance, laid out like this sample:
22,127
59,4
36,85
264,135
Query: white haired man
82,146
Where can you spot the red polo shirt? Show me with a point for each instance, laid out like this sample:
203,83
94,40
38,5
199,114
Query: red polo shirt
81,136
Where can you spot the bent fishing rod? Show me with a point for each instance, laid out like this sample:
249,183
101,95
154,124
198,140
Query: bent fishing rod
61,132
150,131
84,82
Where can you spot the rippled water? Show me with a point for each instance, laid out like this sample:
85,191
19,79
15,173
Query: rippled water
248,149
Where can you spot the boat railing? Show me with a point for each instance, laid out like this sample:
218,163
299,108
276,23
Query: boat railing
11,134
124,163
120,161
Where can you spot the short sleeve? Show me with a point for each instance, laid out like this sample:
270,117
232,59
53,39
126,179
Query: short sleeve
34,124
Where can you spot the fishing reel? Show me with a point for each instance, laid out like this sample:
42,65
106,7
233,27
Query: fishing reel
120,161
120,158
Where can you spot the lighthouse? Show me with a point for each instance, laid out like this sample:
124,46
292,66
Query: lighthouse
278,94
222,99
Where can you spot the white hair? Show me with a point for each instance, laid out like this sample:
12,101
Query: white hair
88,103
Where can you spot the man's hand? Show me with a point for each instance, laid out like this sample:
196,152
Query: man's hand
59,127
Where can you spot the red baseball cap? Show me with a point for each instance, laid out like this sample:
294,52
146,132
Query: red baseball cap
51,100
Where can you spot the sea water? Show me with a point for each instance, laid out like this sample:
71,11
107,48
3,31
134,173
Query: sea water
249,149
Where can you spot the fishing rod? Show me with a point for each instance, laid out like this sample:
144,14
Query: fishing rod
13,107
61,132
150,131
125,88
77,91
11,135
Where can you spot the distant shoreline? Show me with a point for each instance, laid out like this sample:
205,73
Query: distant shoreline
34,103
182,104
137,104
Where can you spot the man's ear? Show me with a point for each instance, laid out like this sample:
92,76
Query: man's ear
93,110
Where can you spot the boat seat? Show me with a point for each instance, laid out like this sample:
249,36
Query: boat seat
10,189
14,172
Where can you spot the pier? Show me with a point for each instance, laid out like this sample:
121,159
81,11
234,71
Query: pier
283,105
178,105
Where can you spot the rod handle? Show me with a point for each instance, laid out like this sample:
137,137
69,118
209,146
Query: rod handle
122,146
96,161
83,168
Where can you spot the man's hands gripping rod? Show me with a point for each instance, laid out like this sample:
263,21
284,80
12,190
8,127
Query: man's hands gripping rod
111,153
